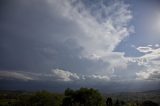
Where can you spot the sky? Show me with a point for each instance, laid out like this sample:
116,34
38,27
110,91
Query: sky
111,45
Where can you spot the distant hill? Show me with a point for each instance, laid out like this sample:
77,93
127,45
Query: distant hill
152,95
152,91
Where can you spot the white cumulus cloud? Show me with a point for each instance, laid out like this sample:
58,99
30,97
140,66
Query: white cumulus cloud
150,62
99,29
62,75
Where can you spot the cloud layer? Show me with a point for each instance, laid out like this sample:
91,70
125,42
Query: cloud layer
14,75
72,41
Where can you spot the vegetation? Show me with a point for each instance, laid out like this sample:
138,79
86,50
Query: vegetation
42,98
83,97
80,97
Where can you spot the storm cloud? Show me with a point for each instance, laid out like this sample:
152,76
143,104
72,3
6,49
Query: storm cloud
66,41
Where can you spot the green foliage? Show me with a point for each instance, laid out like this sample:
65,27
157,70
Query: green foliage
42,98
83,96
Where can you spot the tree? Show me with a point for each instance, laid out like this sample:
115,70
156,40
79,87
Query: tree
109,102
83,97
117,103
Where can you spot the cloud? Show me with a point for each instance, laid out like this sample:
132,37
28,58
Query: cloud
69,35
156,45
14,75
152,56
149,63
150,74
101,32
94,77
102,29
72,35
144,49
62,75
55,75
63,41
67,76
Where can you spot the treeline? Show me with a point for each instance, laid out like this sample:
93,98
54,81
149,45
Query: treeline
41,98
80,97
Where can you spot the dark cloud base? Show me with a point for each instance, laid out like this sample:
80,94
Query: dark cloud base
33,39
110,87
